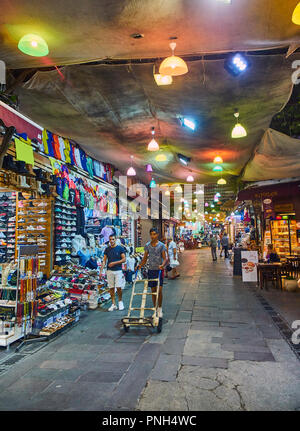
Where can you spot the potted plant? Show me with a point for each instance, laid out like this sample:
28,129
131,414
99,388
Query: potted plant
290,283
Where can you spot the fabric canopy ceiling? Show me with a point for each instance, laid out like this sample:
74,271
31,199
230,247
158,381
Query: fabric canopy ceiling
110,110
79,31
277,156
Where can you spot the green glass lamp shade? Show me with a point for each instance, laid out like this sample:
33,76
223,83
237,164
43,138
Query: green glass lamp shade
32,44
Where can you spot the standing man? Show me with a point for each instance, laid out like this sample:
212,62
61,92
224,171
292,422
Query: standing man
114,255
225,244
155,251
213,246
172,252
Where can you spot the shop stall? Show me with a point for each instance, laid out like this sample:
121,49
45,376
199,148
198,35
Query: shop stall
56,198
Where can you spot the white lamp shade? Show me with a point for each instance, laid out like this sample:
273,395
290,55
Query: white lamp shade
153,145
163,79
238,131
131,172
173,66
190,179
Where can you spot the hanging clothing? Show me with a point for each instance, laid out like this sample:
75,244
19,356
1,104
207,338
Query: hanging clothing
106,231
62,148
56,148
80,221
89,165
67,151
77,157
83,159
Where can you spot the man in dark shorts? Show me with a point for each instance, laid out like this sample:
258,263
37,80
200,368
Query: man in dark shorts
155,253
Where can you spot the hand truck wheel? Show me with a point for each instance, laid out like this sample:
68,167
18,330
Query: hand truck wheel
159,326
126,328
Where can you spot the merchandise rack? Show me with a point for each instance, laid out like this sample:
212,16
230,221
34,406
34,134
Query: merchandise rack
24,306
31,209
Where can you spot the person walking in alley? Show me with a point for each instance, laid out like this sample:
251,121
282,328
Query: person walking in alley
173,257
225,244
213,246
114,256
156,255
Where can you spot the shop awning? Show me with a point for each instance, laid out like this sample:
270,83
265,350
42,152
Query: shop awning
275,191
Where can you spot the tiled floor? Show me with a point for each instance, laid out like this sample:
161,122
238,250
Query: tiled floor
218,350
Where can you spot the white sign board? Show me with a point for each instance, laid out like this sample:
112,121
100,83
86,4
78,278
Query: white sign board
249,265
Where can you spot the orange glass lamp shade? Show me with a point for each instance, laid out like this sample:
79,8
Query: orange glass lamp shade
218,160
296,15
173,65
163,79
34,45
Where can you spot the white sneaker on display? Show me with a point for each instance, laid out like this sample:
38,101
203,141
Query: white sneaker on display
112,307
159,312
121,305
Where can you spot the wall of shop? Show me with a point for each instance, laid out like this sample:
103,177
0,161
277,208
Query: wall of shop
146,225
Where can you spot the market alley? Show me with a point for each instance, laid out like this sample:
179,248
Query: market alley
219,350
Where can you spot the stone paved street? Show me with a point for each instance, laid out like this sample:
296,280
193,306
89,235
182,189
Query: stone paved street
218,350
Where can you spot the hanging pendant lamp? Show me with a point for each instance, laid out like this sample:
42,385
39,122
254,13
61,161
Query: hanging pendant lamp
161,158
218,159
190,178
153,145
221,182
152,183
296,15
173,65
238,131
218,168
149,168
162,79
131,171
32,44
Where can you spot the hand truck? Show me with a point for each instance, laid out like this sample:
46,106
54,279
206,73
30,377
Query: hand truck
153,321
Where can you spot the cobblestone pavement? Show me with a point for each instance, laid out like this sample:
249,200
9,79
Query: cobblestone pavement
219,350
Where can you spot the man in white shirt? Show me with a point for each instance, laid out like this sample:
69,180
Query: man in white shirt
173,256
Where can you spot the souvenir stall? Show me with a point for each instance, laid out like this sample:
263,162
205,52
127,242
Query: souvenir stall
280,213
49,190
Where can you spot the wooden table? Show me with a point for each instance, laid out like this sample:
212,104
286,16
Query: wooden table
273,269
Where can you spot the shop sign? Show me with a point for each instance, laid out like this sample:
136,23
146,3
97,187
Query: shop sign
285,208
268,208
249,265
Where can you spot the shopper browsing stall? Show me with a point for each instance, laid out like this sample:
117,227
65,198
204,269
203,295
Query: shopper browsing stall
114,256
155,254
